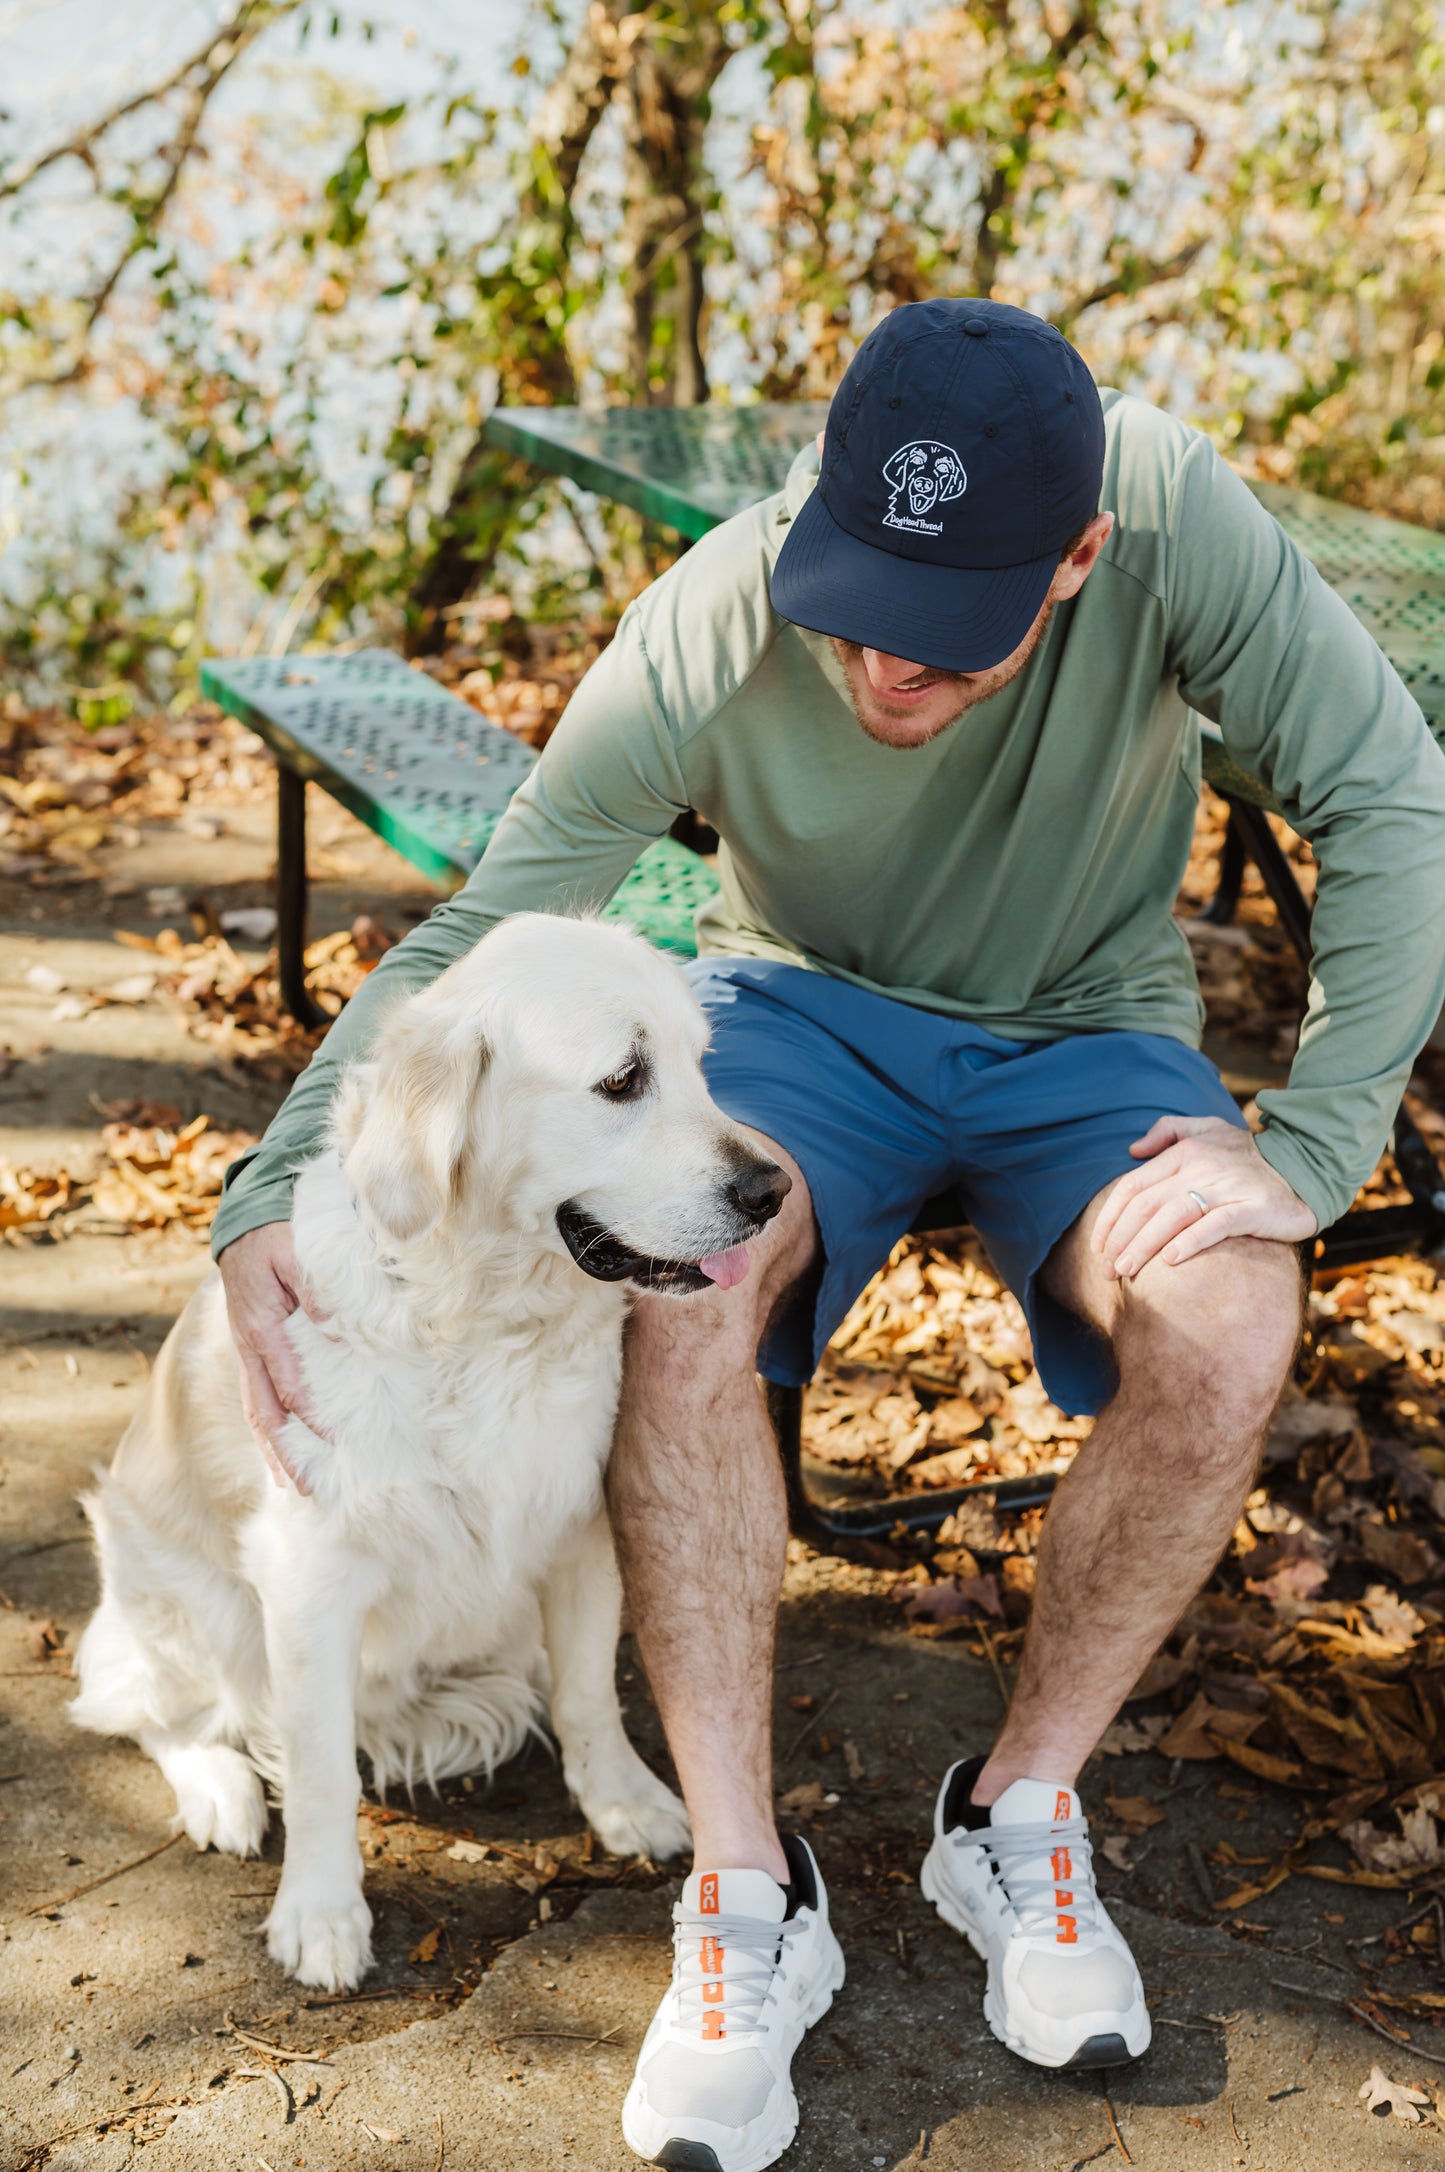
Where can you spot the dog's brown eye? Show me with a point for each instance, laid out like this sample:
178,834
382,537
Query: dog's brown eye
618,1084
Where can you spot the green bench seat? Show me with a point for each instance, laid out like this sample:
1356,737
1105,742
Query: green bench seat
424,770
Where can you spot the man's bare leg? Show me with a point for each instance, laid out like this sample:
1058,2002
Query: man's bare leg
1203,1351
695,1493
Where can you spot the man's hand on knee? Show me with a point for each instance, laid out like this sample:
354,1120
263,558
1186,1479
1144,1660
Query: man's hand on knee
1203,1180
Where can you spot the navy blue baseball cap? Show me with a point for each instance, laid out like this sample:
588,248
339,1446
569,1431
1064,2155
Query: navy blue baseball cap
964,449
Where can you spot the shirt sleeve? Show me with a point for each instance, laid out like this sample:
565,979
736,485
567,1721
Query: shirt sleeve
606,787
1306,700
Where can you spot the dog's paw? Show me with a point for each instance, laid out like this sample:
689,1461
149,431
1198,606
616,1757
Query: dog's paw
646,1820
219,1800
321,1941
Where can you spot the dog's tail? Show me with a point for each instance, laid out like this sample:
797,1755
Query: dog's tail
453,1724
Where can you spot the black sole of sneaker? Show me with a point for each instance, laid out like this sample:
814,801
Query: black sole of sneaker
687,2157
1095,2051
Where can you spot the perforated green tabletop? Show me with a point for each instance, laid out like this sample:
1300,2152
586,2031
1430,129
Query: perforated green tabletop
693,467
689,467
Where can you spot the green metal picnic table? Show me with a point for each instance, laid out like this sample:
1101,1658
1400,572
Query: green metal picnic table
433,777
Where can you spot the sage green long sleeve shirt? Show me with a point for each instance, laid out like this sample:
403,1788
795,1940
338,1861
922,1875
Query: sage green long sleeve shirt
1019,870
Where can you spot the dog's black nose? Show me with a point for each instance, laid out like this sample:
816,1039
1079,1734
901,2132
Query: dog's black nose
759,1191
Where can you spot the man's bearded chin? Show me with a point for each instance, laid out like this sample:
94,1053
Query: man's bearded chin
970,688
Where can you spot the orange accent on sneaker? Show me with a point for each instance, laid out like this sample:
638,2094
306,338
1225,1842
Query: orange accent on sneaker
1068,1932
1063,1807
1061,1863
712,1994
707,1895
1062,1897
713,2031
712,1957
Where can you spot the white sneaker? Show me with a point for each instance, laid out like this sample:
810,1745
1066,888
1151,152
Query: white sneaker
755,1965
1018,1881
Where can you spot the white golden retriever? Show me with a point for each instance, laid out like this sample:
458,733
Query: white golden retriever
533,1138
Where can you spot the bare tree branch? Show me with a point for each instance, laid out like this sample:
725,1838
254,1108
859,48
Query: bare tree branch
1141,274
222,46
199,77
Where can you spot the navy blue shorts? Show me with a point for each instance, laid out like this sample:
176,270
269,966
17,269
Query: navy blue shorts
883,1105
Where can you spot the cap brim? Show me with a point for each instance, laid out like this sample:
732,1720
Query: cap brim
949,618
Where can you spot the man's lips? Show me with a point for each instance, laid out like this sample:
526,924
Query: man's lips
913,694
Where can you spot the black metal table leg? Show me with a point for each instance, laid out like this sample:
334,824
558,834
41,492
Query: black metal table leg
1232,858
291,896
1263,847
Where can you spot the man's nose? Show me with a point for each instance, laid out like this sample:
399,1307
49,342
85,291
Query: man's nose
886,672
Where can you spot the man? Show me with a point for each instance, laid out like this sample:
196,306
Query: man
935,698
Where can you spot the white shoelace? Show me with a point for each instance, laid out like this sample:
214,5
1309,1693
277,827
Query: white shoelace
1068,1856
746,1991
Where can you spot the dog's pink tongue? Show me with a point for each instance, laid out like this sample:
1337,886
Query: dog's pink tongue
726,1269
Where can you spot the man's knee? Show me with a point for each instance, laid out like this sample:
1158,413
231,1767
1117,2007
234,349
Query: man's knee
1217,1334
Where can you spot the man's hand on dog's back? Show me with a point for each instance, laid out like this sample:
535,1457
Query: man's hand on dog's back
263,1289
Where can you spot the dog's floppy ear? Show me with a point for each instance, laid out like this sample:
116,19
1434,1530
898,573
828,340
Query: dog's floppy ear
895,474
407,1152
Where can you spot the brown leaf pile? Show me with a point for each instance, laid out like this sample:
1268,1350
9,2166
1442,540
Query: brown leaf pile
67,793
236,1006
155,1171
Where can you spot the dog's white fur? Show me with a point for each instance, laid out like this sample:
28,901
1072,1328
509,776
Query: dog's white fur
450,1575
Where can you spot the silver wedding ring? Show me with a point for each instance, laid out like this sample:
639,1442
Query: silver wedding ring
1200,1201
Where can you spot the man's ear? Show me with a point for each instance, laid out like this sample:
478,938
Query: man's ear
407,1154
1076,568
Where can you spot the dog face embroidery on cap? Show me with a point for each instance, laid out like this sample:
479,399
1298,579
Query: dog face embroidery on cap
924,474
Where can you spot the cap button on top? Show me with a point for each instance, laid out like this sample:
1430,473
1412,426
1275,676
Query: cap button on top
975,327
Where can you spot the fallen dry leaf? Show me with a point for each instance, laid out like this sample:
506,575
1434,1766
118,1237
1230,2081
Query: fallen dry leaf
423,1951
952,1599
1297,1579
1416,1847
1398,1550
1392,1617
44,1640
1127,1737
1138,1812
1199,1730
1381,2095
802,1800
